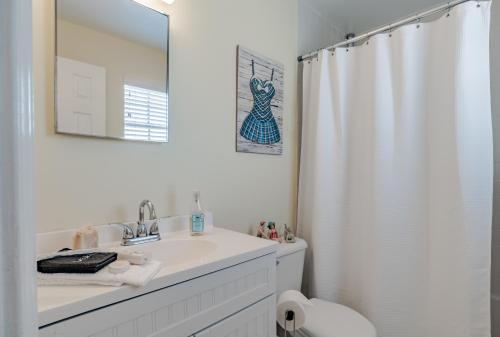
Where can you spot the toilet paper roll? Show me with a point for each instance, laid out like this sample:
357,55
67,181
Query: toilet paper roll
292,300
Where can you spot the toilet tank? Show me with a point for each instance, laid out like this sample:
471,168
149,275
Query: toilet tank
290,265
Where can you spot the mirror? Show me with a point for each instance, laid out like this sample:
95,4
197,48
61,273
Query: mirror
111,70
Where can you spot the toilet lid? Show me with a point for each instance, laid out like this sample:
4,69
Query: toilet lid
327,319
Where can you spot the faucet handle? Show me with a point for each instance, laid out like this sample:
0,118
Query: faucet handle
153,229
128,232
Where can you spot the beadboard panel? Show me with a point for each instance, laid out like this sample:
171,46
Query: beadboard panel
255,321
180,310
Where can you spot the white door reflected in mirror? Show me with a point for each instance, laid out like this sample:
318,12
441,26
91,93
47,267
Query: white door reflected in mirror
111,70
81,100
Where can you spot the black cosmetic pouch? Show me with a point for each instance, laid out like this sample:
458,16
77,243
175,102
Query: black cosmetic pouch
76,264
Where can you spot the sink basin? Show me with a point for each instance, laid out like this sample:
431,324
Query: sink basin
174,252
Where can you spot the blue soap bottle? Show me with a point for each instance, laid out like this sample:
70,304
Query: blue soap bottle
197,226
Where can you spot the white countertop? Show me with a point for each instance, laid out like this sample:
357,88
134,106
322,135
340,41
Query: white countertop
56,303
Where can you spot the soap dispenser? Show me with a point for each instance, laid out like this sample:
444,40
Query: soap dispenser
197,226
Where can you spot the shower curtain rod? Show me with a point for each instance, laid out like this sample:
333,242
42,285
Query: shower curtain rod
413,18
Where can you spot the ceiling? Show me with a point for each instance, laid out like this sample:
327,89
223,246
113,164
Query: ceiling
123,18
360,16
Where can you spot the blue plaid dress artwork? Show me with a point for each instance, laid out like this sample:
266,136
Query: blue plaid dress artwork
260,126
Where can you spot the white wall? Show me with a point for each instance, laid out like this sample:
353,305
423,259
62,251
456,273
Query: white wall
315,30
495,94
81,180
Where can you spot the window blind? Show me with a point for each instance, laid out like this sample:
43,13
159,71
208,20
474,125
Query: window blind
146,115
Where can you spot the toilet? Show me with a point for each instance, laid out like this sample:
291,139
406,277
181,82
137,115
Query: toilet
324,319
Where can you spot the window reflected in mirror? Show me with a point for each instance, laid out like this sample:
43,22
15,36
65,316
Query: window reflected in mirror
145,114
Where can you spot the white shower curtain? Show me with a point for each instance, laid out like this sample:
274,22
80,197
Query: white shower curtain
395,193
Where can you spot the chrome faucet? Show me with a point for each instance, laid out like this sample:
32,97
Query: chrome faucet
142,234
141,226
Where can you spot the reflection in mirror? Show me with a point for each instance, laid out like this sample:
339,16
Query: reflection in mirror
111,70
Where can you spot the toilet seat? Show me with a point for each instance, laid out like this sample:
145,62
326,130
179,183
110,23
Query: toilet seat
327,319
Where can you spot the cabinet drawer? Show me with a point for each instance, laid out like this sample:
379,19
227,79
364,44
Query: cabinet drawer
259,320
179,310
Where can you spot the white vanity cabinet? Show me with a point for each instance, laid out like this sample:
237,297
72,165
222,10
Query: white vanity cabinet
235,301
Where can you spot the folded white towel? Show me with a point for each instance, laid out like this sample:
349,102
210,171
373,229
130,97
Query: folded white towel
137,276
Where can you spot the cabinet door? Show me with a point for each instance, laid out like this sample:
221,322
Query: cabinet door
258,320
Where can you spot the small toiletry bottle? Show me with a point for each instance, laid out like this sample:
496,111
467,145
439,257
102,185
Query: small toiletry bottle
197,216
86,238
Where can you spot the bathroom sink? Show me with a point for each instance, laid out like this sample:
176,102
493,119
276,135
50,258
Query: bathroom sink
174,252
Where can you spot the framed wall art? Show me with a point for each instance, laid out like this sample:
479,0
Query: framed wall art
259,119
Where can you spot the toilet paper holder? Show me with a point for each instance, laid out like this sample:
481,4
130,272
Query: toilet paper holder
289,317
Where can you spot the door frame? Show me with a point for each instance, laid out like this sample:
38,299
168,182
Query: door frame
18,301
